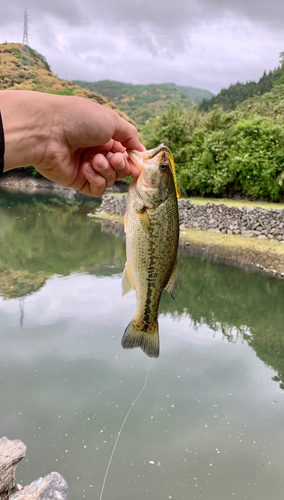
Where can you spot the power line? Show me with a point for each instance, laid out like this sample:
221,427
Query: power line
25,44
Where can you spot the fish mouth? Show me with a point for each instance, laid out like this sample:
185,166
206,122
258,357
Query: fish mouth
138,157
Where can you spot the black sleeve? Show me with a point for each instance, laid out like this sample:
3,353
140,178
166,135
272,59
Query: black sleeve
2,146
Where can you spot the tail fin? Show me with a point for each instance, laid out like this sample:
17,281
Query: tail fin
148,341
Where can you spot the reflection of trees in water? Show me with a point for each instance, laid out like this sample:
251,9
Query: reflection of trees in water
47,240
242,305
14,284
236,302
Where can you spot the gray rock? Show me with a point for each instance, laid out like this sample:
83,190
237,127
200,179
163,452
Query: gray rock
11,453
51,487
217,218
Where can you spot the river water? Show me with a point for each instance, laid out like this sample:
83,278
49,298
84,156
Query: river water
210,421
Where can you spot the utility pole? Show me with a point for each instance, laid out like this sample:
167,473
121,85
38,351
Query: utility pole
22,311
25,44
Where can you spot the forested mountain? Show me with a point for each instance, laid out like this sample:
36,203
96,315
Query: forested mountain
226,153
239,92
142,102
197,95
39,76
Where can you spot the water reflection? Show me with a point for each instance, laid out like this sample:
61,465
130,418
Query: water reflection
39,240
210,423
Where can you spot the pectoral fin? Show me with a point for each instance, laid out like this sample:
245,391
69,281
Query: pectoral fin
144,220
172,283
127,285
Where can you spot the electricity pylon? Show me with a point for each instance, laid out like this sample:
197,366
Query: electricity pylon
25,44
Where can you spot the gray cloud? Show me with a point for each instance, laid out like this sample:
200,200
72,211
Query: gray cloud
200,43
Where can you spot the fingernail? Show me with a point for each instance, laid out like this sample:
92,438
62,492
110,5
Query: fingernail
89,169
121,165
103,162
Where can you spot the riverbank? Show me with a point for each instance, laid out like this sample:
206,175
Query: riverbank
258,252
265,256
22,182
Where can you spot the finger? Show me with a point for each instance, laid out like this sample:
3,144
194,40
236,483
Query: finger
104,168
96,184
117,147
127,135
108,155
123,165
104,148
119,162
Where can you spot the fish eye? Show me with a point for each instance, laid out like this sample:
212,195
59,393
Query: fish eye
164,166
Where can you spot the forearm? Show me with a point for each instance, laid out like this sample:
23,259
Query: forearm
26,126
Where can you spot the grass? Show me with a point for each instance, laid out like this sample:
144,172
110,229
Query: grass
266,255
236,203
230,203
233,240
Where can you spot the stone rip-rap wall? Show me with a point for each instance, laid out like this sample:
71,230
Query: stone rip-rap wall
114,204
259,222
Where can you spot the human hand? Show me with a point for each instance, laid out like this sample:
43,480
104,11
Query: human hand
102,166
69,140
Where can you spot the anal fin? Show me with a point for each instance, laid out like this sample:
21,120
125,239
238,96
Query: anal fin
172,283
127,284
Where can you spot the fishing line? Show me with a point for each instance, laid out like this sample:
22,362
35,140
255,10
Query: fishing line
120,430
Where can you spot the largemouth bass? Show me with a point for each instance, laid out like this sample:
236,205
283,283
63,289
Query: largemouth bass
152,234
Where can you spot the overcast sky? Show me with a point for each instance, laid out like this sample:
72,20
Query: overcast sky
202,43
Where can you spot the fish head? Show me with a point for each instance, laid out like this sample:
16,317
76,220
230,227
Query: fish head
157,179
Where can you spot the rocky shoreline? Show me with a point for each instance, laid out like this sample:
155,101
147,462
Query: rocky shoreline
23,182
251,238
259,222
52,487
20,182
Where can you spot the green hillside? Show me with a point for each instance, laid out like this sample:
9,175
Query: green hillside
39,76
142,102
197,95
239,92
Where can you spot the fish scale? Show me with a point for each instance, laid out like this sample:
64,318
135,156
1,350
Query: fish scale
152,235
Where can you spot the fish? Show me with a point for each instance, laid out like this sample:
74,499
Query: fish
152,236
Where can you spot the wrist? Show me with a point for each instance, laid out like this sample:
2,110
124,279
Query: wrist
26,127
